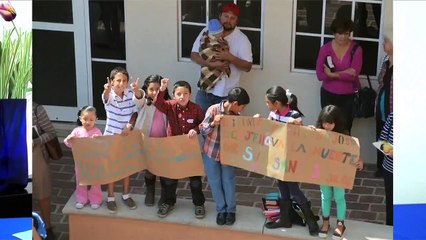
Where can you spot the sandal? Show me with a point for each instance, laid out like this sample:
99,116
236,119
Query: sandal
323,233
340,229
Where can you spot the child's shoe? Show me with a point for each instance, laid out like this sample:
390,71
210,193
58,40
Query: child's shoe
129,203
112,206
164,210
95,206
340,229
200,211
323,233
79,205
230,219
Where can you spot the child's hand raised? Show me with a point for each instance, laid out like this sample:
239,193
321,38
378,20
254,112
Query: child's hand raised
257,115
108,85
164,84
134,84
312,127
217,118
359,164
192,133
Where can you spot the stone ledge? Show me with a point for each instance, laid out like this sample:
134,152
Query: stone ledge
249,220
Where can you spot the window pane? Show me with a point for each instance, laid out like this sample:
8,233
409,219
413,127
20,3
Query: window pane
107,32
336,9
367,20
306,52
254,37
250,13
100,71
189,34
216,7
193,11
54,68
52,11
309,15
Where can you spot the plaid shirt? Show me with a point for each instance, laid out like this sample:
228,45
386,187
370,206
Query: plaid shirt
212,141
181,119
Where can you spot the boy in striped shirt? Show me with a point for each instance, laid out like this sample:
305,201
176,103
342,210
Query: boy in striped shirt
121,114
221,177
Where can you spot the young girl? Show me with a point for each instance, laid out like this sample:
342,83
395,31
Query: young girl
332,119
152,122
86,128
278,103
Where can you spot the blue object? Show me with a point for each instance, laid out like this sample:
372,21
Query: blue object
409,221
9,226
13,146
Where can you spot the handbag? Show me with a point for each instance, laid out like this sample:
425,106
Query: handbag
364,101
52,146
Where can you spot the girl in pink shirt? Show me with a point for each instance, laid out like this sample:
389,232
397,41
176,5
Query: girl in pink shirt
86,128
152,122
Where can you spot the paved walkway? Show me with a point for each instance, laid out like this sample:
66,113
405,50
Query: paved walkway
365,202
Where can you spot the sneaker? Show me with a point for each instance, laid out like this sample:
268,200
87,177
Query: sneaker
79,205
200,212
230,219
129,203
95,206
164,210
112,206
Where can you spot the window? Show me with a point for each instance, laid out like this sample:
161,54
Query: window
194,16
312,21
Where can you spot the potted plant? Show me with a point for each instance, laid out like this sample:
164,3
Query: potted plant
15,76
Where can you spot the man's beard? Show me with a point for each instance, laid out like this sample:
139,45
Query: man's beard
228,27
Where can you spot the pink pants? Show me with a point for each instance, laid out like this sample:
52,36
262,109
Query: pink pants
84,194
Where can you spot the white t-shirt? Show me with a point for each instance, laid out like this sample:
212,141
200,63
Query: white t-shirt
240,47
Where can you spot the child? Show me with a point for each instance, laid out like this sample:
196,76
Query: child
387,135
221,177
86,128
184,118
121,114
212,42
277,102
152,122
332,119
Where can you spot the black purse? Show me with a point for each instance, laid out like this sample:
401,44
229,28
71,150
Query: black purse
364,101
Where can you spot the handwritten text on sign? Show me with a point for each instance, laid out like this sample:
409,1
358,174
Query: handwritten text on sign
110,158
289,152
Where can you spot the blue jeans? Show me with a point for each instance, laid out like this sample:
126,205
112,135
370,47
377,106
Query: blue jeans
205,99
222,182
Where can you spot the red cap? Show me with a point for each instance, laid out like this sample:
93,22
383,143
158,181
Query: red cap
231,7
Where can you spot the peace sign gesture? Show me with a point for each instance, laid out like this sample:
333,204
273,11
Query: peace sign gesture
134,84
136,88
108,85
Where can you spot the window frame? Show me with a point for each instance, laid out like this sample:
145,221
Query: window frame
322,35
180,35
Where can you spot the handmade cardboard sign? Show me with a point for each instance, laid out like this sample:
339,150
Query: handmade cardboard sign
106,159
289,152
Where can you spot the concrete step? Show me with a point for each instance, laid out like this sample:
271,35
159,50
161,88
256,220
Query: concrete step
181,224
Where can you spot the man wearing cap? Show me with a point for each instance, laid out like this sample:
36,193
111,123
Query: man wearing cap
239,58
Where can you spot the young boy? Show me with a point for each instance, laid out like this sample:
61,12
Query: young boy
212,42
121,114
184,117
221,177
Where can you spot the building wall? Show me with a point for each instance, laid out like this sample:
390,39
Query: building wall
152,47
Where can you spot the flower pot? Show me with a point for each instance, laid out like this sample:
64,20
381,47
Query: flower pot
13,146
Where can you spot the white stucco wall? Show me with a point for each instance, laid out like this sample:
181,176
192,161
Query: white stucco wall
152,47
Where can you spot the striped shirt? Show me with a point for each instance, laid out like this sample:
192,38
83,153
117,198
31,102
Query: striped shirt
118,111
387,134
285,116
212,141
44,127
